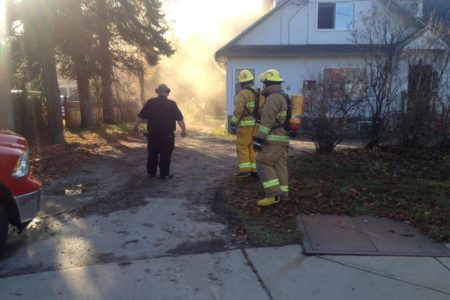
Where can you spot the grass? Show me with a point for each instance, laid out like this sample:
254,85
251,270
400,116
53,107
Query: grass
355,182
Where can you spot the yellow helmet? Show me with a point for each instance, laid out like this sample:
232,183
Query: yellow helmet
271,75
245,76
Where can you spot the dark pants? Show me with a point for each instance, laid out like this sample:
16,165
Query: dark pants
160,150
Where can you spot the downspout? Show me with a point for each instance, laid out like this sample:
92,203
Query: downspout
291,18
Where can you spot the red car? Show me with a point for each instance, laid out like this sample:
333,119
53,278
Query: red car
19,191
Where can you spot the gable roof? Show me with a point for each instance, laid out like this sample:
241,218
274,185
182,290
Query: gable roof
232,50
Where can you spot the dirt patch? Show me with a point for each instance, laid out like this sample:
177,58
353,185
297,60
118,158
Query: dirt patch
256,227
200,247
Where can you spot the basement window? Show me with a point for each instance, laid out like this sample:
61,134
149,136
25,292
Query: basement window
335,16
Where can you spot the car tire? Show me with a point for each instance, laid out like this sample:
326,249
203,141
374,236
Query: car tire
3,227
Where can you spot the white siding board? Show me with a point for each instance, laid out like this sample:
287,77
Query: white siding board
295,24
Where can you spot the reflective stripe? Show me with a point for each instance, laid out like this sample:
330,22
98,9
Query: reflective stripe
271,183
277,138
245,165
284,188
250,104
282,114
264,129
234,119
253,165
247,123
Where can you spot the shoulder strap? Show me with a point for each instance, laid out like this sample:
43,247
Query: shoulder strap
288,116
256,93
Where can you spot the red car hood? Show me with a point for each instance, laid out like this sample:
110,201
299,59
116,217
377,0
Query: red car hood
9,139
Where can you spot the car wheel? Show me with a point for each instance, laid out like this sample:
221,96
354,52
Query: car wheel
3,227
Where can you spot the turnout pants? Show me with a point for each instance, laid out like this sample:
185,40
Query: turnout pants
244,148
160,150
271,164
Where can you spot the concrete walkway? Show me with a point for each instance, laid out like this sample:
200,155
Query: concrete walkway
259,273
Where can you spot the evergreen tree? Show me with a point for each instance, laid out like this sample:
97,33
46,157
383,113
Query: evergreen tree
128,30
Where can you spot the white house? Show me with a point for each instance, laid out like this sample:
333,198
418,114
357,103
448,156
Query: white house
307,40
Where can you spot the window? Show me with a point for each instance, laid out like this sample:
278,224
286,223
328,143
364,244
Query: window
335,16
309,85
237,86
342,83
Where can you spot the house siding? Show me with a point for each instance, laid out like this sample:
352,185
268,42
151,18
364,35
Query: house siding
295,24
294,71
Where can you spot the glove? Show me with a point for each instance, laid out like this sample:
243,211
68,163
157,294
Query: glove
257,144
233,129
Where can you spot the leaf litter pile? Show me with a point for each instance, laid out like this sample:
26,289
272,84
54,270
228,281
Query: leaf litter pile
410,188
51,161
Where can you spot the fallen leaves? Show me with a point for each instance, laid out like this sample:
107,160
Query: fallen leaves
356,182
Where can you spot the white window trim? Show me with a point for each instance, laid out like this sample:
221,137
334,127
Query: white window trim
334,30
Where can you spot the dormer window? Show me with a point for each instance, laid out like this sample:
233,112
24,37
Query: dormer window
335,15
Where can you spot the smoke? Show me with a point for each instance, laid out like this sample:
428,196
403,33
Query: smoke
198,29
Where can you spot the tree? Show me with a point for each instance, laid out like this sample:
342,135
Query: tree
127,30
332,105
39,21
79,50
6,111
406,64
424,119
383,31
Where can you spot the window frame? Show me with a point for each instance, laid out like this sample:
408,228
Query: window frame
349,72
335,16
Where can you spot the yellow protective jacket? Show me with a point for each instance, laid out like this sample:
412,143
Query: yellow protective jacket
244,104
273,117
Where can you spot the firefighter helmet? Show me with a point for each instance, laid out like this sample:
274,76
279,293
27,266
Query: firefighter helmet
245,76
271,75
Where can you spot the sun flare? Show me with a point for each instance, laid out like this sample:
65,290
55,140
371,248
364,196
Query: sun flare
187,17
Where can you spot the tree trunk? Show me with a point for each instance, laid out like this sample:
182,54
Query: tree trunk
106,67
83,91
82,74
142,86
51,90
6,105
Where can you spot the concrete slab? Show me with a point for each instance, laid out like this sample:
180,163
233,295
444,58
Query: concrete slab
333,233
207,276
445,261
391,237
365,235
289,275
422,271
162,226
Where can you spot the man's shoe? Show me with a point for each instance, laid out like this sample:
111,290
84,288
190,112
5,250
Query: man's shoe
254,174
163,177
268,201
243,174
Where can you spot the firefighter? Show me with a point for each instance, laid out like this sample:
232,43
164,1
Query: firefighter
161,115
243,123
271,142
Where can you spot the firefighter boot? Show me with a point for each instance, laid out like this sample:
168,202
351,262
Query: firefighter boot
268,201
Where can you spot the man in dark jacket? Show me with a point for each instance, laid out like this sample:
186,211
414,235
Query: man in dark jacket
162,115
